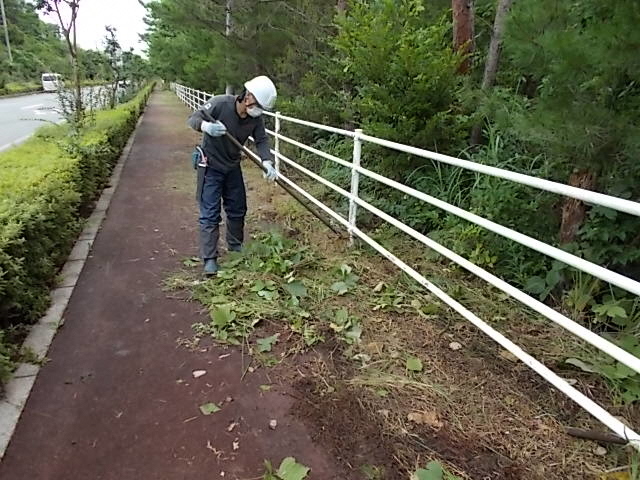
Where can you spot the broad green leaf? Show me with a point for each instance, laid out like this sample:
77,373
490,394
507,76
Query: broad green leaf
342,317
209,408
536,285
268,294
414,364
223,316
553,278
630,343
266,344
296,289
292,470
616,311
257,286
354,333
340,287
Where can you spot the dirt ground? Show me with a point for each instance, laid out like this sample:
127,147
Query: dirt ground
474,407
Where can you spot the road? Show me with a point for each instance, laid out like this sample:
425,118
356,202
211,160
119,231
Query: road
21,116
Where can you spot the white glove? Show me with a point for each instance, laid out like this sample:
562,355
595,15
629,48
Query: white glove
270,172
214,129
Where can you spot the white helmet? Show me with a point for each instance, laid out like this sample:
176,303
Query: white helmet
264,90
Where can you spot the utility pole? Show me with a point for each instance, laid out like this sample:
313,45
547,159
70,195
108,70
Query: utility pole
6,30
227,32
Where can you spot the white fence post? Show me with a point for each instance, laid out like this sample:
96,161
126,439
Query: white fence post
277,142
355,183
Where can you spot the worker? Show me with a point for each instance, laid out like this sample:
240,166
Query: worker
220,179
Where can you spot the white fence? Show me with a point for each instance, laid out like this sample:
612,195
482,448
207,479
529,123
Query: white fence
194,99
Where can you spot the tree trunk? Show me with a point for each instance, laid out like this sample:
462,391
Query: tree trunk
495,47
493,58
463,31
76,75
573,210
227,32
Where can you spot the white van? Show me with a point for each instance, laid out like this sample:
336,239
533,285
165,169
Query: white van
51,82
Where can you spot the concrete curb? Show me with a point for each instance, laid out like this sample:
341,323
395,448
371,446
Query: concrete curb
17,390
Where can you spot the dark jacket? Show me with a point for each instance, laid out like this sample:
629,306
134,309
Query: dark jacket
222,154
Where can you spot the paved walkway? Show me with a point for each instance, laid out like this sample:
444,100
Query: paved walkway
117,399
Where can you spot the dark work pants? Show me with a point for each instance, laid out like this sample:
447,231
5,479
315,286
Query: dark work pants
221,189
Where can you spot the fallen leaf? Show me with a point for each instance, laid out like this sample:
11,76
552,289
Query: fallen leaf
378,287
455,346
236,445
199,373
232,426
265,388
273,424
209,408
426,418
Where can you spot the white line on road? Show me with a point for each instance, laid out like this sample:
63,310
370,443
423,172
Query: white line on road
32,106
15,142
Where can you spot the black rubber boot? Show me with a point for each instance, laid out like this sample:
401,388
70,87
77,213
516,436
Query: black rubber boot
235,234
209,235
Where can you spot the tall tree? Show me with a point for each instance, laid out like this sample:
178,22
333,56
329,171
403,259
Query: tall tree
493,58
463,31
114,54
68,8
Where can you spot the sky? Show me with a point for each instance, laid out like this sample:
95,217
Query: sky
125,15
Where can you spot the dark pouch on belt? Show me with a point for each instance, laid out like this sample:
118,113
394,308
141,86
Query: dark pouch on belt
198,158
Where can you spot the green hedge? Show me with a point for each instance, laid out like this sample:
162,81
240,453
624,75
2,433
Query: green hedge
12,88
44,183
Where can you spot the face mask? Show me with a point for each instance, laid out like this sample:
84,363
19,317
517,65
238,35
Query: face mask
254,112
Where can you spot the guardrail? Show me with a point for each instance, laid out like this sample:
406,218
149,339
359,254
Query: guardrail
195,98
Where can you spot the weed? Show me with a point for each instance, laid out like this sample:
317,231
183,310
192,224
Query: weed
433,471
289,470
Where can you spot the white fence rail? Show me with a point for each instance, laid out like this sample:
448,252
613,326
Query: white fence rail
194,99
